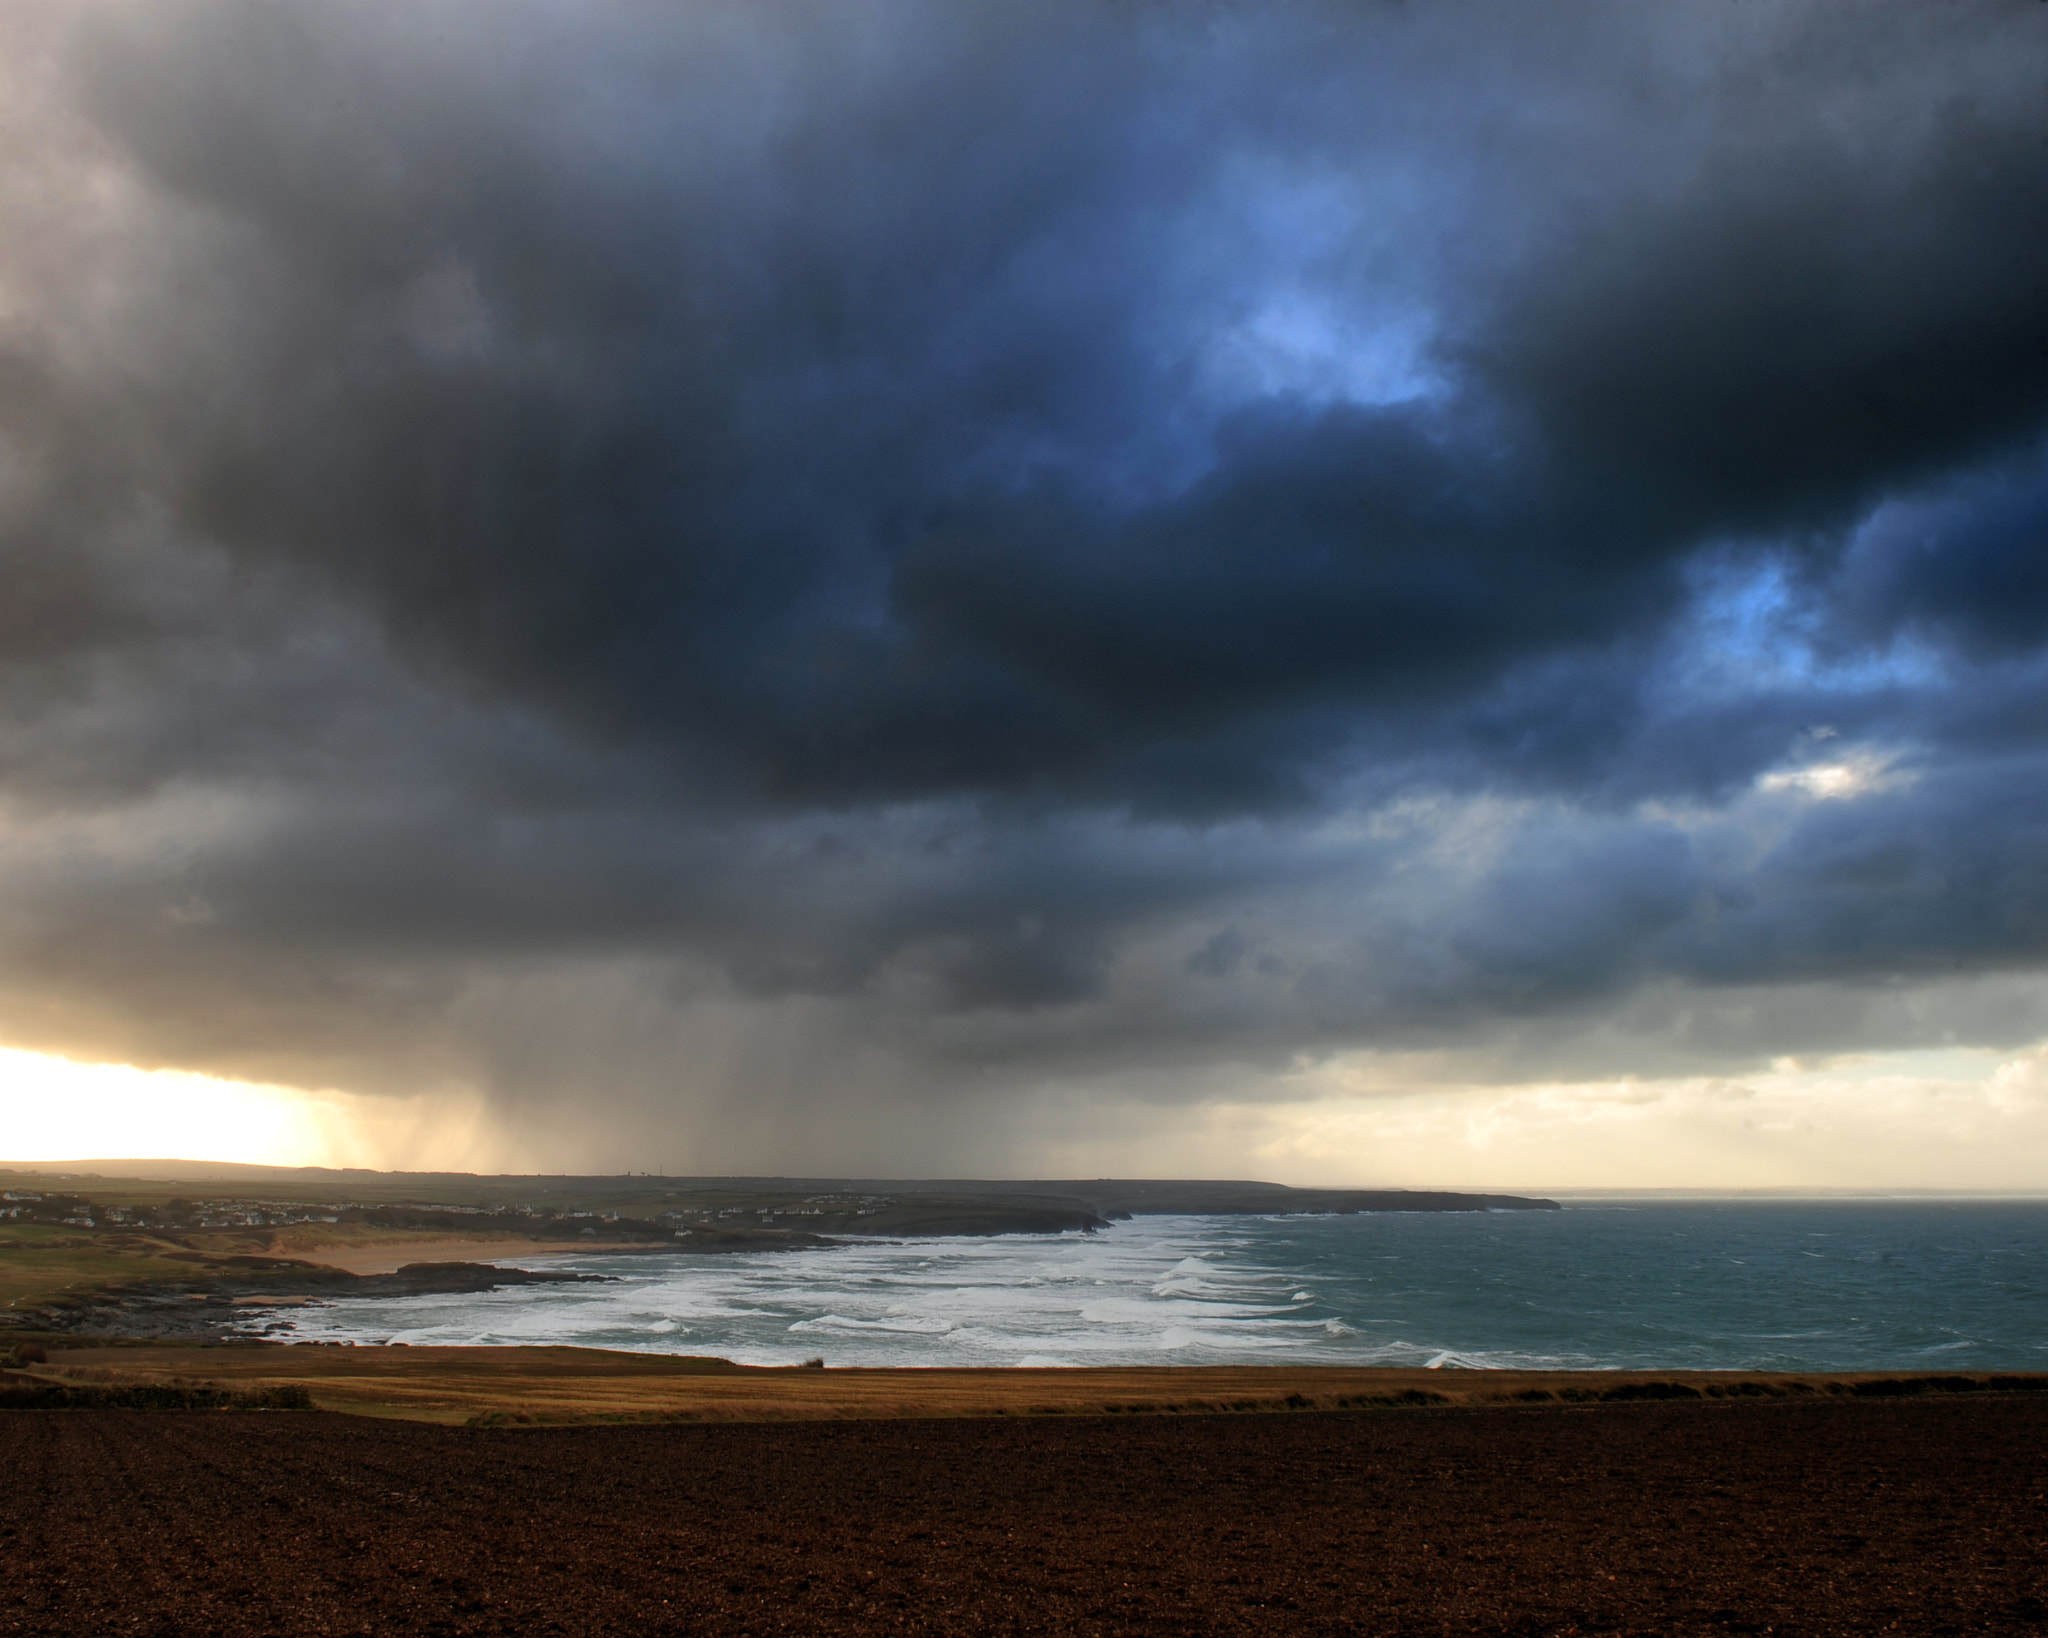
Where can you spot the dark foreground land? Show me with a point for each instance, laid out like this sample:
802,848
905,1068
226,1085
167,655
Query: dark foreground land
1818,1515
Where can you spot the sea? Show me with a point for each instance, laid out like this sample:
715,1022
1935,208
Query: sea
1604,1284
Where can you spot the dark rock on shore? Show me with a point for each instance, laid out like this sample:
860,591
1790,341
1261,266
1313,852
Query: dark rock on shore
246,1292
450,1279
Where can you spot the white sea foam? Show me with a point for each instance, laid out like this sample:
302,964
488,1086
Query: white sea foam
1667,1287
1166,1285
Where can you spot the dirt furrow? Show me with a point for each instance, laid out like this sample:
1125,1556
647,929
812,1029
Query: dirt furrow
1820,1518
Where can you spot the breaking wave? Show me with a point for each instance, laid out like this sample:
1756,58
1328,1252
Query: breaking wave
1785,1285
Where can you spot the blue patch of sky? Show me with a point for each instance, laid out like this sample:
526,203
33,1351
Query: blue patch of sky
1755,625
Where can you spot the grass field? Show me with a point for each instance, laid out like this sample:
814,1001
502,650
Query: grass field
41,1263
558,1385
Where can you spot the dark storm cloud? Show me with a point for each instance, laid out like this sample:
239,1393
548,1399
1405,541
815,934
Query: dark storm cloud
1053,517
1965,567
823,439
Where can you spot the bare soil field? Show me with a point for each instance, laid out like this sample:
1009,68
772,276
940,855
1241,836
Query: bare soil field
1813,1515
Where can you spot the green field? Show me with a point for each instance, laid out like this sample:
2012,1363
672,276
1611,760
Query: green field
39,1262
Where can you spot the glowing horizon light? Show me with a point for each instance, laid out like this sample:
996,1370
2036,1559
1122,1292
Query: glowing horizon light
54,1109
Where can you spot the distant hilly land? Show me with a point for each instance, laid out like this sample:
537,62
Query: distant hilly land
1074,1202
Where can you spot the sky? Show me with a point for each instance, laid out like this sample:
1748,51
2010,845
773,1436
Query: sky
1419,593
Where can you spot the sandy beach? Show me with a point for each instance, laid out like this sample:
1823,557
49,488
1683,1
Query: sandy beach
1819,1516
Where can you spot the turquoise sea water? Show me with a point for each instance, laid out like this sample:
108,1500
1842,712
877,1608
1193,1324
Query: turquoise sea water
1789,1285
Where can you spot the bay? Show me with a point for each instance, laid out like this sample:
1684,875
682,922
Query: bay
1771,1285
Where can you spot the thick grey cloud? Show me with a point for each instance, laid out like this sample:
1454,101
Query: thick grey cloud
1025,538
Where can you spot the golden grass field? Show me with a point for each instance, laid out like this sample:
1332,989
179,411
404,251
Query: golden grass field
567,1385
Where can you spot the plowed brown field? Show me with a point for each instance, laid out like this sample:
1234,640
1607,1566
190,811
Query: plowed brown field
1824,1515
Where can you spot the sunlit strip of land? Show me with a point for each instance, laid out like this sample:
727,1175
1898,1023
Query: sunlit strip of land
556,1385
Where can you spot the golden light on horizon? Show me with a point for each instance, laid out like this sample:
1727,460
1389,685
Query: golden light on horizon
54,1109
1947,1119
